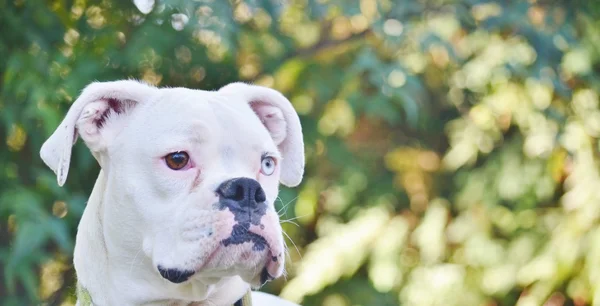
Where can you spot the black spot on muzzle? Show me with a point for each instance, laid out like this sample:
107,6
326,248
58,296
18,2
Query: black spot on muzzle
175,275
240,234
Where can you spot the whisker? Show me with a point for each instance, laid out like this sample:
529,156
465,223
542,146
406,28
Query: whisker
294,218
284,274
288,256
291,222
295,246
285,206
133,260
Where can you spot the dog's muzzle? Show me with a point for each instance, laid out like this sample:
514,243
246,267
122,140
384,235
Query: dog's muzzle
246,200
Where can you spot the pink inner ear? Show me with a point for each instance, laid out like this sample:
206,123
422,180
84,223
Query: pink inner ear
113,105
272,118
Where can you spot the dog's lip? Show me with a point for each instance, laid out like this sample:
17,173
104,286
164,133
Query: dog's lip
265,276
220,247
261,279
177,276
258,281
216,250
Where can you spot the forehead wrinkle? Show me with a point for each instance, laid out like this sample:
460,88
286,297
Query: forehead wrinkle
198,131
180,132
194,120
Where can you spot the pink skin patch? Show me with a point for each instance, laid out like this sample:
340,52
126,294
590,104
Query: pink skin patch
268,230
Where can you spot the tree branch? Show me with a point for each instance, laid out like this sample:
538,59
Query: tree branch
318,47
324,44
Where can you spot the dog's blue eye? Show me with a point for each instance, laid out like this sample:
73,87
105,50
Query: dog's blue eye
267,166
177,160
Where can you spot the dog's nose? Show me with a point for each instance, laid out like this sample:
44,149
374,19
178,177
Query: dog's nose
242,190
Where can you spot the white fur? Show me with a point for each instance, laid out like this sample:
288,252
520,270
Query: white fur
141,214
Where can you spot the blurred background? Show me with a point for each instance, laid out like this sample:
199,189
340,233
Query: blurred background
452,146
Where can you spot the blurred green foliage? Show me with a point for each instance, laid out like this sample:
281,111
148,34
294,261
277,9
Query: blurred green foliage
452,146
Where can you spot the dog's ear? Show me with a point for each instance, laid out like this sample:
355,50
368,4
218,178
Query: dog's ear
95,117
282,122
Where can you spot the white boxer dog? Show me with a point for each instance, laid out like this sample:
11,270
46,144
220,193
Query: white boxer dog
182,211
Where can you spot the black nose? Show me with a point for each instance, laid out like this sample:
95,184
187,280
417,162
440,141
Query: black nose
242,190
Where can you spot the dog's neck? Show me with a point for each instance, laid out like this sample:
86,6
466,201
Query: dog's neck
126,277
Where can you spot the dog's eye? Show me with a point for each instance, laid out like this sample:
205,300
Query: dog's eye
177,160
267,166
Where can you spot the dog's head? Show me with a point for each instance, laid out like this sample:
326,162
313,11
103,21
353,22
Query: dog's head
193,175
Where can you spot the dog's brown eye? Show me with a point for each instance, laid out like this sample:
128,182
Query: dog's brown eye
177,160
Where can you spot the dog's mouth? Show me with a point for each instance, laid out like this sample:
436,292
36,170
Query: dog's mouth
254,252
265,277
251,248
178,276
